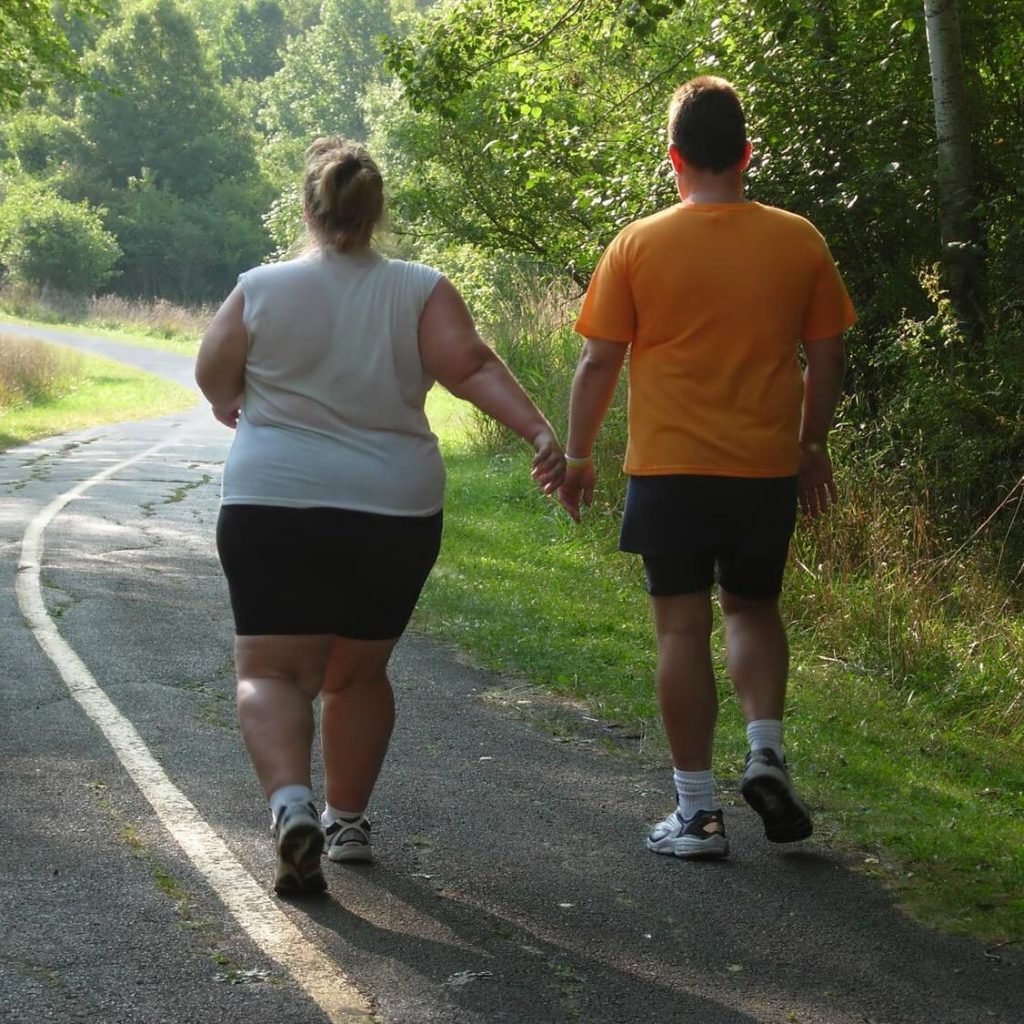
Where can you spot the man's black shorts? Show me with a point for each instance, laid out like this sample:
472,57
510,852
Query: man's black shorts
301,571
692,530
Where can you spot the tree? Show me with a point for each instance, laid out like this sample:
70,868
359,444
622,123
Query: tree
251,40
957,199
34,48
160,106
163,147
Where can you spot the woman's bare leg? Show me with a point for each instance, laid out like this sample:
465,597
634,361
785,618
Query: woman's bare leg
357,718
278,679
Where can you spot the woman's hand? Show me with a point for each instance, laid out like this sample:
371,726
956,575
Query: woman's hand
548,462
228,413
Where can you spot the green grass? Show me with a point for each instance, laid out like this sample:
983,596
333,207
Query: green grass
905,732
100,391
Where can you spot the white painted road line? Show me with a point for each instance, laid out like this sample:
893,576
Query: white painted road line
251,906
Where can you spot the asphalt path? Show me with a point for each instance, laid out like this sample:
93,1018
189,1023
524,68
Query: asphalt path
511,885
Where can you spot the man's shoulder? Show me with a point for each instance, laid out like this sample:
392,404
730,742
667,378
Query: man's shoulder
653,222
787,219
640,233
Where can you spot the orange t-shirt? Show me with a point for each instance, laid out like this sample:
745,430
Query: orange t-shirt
714,301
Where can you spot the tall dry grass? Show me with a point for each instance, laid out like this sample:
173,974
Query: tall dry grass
33,372
155,318
883,589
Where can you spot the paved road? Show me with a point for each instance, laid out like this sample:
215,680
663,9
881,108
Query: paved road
511,886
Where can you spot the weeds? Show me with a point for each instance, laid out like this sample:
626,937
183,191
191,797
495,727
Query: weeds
34,372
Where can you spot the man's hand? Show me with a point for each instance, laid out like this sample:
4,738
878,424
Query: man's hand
577,489
548,463
816,486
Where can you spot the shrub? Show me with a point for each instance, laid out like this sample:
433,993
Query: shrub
46,240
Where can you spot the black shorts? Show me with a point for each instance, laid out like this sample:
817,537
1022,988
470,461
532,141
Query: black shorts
692,530
302,571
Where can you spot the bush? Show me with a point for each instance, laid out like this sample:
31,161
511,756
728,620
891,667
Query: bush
46,240
947,432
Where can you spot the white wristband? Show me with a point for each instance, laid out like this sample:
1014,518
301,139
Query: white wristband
578,461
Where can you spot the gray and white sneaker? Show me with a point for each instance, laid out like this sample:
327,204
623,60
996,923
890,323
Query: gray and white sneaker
348,841
766,786
702,836
299,838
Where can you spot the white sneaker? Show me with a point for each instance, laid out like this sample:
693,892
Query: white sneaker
703,835
299,838
348,842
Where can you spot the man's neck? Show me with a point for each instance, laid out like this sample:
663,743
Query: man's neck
710,189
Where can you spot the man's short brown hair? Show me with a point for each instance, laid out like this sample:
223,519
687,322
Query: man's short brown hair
706,124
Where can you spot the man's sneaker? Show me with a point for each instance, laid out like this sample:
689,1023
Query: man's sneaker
348,842
767,788
300,840
703,835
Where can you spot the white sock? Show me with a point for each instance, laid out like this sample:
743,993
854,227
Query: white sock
695,791
765,733
288,795
332,814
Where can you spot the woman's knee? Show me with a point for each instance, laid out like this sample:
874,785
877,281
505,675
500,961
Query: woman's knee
297,661
357,664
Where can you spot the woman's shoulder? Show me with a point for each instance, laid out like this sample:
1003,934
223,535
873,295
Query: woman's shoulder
410,268
280,268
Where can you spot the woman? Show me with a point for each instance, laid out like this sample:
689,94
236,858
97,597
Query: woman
332,494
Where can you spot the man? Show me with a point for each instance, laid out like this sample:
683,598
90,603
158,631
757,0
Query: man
714,298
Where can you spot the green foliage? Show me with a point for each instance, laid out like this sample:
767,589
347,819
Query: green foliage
161,146
546,141
549,121
47,240
319,88
251,40
39,142
34,47
948,430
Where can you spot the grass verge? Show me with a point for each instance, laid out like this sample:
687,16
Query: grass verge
911,757
89,392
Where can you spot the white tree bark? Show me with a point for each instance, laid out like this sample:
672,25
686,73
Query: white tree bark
958,226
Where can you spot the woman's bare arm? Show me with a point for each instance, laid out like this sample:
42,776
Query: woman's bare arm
220,364
455,355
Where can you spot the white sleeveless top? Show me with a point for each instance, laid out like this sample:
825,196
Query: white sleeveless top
332,413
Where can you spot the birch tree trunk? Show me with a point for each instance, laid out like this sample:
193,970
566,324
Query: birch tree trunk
958,225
